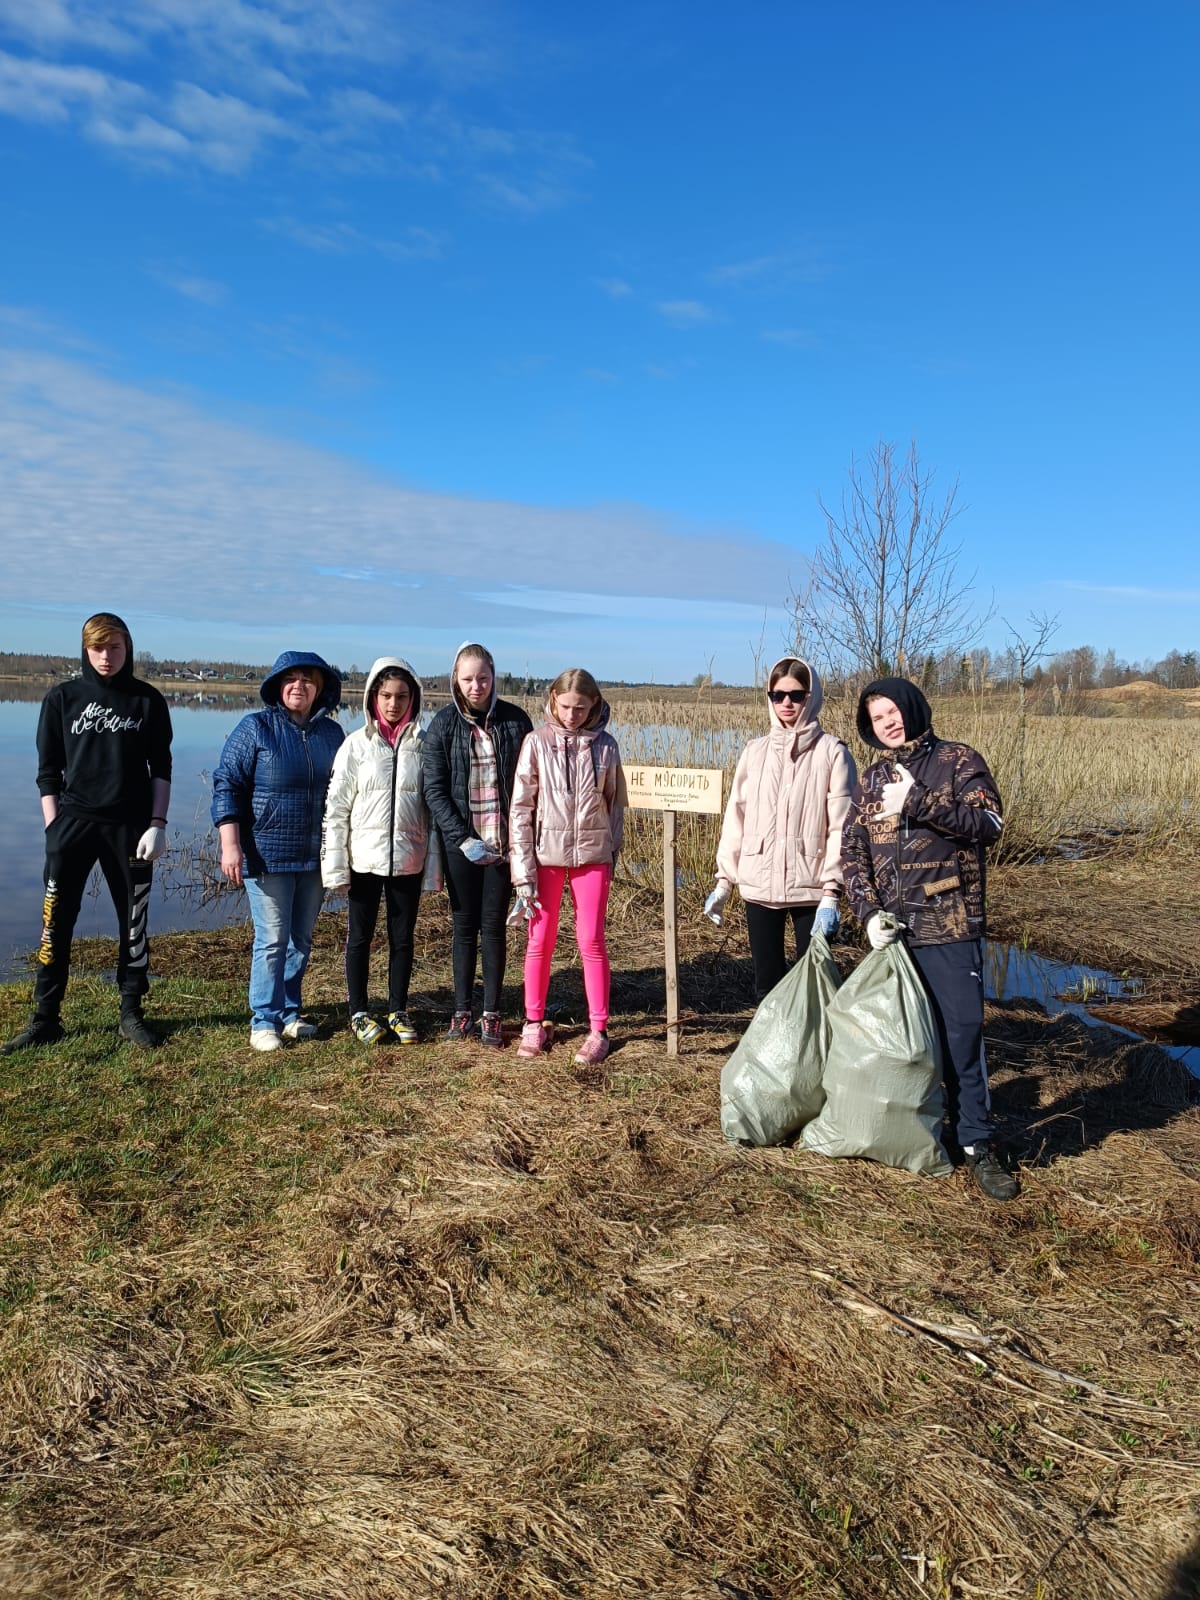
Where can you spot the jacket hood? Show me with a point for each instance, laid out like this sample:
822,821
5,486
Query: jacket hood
911,703
121,679
331,690
810,711
475,718
378,668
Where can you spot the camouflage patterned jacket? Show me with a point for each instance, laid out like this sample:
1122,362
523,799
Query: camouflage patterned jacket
926,865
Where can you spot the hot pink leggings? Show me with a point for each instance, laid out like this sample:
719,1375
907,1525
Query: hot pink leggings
589,896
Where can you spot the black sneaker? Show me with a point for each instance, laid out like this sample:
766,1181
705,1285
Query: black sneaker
990,1173
41,1030
134,1027
491,1033
459,1030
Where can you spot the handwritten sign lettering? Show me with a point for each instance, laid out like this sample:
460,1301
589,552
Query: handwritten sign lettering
675,788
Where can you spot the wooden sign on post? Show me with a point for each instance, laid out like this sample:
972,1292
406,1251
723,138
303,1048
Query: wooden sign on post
671,790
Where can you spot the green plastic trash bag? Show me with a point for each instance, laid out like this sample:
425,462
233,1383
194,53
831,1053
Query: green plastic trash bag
771,1084
883,1071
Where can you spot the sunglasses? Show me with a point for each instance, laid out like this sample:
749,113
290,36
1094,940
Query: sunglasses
797,697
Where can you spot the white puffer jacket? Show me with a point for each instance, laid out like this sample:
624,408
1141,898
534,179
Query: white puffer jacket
375,817
781,837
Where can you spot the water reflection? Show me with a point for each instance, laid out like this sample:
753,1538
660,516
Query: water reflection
1011,972
199,734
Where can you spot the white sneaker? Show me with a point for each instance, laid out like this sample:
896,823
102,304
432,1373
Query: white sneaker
299,1028
265,1039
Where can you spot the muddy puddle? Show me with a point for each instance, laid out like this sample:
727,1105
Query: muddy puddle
1098,997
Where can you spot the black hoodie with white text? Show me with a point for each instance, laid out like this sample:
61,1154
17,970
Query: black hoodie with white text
101,741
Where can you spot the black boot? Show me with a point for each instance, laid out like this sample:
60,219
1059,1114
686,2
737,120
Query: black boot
134,1027
40,1030
990,1173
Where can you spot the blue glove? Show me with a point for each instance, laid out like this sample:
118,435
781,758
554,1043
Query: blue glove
826,920
480,854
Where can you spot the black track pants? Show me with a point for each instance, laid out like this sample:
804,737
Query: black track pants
73,847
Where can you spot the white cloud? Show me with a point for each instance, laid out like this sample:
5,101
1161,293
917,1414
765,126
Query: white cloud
685,313
205,291
217,77
38,91
342,238
803,265
615,288
176,510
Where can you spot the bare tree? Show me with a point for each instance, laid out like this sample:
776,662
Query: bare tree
883,591
1025,649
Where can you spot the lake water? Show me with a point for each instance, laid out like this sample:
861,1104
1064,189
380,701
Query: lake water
199,735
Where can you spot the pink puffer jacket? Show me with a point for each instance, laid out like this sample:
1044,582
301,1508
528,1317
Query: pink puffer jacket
781,837
568,806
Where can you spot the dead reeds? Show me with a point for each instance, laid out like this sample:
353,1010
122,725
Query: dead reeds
436,1322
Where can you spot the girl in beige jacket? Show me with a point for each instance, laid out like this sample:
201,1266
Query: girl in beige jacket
781,838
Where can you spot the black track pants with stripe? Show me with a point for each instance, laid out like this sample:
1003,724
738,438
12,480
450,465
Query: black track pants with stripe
73,847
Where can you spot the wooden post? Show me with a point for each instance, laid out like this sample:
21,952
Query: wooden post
672,790
671,943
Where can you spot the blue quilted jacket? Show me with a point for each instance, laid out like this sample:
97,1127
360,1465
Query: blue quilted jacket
273,774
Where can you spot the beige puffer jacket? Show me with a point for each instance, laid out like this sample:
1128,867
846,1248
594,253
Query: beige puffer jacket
375,818
569,799
781,836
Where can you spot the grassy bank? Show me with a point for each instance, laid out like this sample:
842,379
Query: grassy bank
434,1322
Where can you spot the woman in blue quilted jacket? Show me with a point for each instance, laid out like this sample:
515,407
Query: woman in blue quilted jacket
268,804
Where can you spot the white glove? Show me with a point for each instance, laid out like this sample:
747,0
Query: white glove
883,929
152,844
480,854
526,906
714,906
826,920
895,793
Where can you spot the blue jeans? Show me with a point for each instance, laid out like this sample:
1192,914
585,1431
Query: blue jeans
284,906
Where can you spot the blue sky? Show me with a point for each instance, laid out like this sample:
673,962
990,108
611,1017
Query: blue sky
367,326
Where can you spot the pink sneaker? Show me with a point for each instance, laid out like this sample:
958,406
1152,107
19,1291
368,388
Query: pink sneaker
536,1039
593,1050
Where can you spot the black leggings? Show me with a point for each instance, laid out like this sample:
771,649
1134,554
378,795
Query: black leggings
479,899
402,898
767,927
73,847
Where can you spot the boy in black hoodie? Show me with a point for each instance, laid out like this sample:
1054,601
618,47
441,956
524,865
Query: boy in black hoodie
104,775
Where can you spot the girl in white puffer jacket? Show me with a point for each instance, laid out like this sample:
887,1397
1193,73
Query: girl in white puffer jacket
781,837
376,839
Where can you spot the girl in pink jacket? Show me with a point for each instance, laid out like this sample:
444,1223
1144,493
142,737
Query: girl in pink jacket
781,837
565,829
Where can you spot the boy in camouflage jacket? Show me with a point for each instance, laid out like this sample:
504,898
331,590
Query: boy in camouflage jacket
913,845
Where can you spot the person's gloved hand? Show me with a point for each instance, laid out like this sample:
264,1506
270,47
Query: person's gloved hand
480,854
883,929
526,906
152,844
714,906
894,794
826,920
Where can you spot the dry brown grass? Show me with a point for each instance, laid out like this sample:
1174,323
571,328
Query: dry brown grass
435,1322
